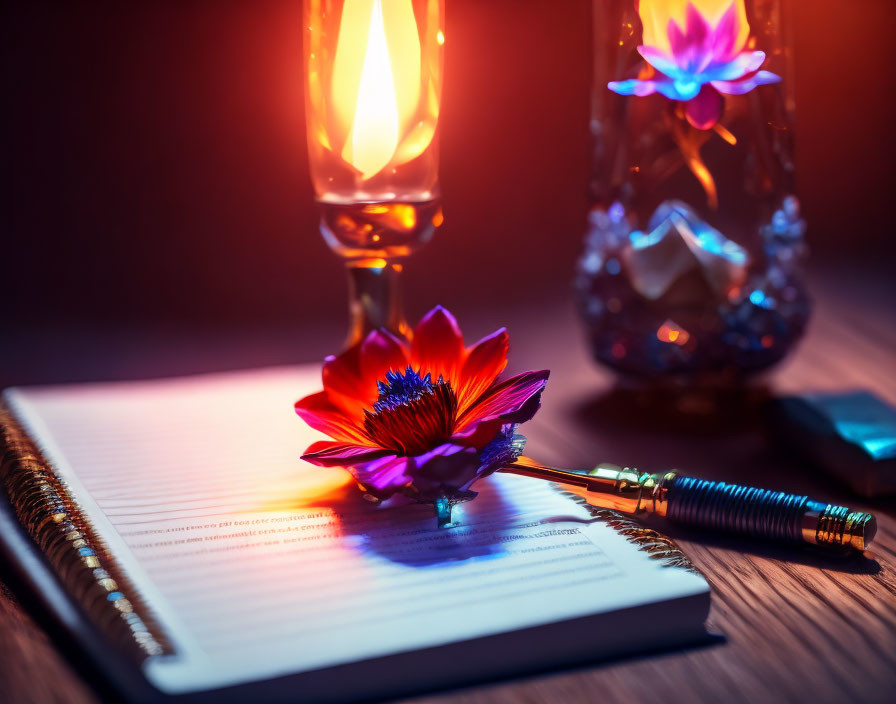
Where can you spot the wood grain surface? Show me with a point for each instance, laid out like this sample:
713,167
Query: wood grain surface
797,626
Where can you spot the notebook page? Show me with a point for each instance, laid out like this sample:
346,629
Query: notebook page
258,565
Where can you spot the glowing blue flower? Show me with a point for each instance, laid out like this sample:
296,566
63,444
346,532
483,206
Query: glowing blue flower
703,62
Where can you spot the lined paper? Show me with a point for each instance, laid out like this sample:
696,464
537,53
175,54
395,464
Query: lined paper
257,564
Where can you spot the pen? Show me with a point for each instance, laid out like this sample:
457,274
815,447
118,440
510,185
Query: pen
760,513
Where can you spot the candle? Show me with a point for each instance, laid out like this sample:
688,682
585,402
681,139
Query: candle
373,71
374,77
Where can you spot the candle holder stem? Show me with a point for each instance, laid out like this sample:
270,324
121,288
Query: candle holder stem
374,239
374,299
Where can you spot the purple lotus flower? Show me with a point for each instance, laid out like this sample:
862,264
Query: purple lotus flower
702,63
425,420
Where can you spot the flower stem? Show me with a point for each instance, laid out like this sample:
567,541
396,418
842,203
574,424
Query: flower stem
443,511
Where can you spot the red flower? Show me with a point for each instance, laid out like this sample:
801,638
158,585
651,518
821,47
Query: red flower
426,419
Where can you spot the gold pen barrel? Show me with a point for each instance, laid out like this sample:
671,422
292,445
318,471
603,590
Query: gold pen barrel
608,486
717,506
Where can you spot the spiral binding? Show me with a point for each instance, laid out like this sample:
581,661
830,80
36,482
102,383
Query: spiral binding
47,511
655,544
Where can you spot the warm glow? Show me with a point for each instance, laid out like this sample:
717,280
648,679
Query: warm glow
395,216
724,133
376,82
374,133
373,84
671,332
308,491
656,14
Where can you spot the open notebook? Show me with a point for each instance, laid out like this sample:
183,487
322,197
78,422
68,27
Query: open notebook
220,565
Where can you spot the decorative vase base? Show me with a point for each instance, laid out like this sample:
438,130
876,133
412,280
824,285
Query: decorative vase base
682,303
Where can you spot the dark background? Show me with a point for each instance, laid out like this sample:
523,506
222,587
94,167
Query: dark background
156,175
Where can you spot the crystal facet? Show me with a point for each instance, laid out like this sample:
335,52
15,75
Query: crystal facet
679,245
688,300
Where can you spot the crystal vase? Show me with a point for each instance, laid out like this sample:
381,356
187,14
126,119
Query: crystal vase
692,260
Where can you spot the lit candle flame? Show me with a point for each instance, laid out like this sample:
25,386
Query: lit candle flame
376,80
374,134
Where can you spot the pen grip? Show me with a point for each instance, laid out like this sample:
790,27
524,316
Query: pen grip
761,513
739,509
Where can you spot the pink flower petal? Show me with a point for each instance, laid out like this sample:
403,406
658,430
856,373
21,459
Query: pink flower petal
384,476
342,382
444,470
699,38
339,454
725,36
746,83
513,401
743,64
698,29
659,60
321,414
380,352
706,109
478,433
677,40
485,362
691,48
444,450
438,346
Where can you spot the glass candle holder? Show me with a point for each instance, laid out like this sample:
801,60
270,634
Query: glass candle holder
692,261
373,72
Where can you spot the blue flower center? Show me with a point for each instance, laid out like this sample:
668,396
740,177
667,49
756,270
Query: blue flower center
412,414
401,388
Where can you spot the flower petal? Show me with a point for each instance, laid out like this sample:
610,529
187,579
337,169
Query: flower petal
484,363
725,36
444,450
438,346
659,60
706,109
698,35
513,401
478,433
384,476
746,84
677,40
691,48
445,470
341,376
380,352
632,87
321,414
339,454
740,66
685,89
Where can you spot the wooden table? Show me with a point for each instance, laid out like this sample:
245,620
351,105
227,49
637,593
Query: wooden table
797,626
